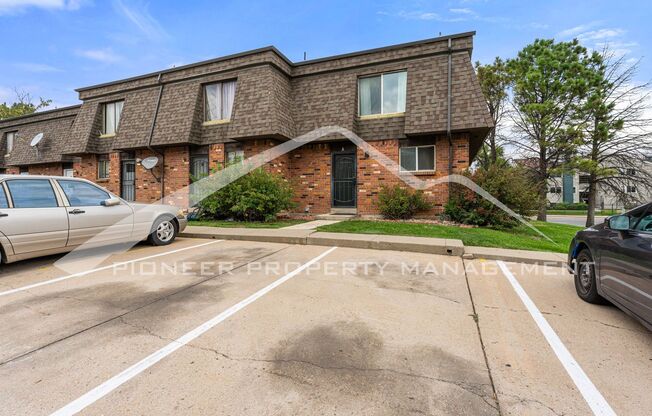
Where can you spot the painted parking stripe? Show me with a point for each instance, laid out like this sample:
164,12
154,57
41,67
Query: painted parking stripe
593,397
131,372
110,266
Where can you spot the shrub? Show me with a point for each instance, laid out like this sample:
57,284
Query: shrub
578,206
257,196
510,185
399,203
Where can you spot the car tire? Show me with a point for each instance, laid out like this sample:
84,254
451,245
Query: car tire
585,284
164,231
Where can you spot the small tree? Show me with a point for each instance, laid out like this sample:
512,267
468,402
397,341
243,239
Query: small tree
494,82
22,106
618,135
550,81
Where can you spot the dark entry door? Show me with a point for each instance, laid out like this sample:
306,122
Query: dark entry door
344,180
128,179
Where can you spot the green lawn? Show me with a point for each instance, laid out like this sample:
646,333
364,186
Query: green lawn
242,224
520,237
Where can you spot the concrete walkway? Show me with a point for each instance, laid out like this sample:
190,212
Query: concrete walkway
311,225
445,246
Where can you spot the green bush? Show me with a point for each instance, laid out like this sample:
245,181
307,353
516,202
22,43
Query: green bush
399,203
579,206
257,196
510,185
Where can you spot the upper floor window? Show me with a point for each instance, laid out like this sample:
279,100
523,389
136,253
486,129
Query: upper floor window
417,158
382,94
111,117
218,100
631,172
10,141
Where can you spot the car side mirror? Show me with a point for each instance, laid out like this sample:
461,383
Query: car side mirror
111,202
618,222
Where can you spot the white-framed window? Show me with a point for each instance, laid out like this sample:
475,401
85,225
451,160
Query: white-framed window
382,94
555,190
103,166
218,100
10,137
417,158
111,117
68,169
631,189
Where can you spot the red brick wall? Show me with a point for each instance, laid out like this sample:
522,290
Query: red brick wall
55,169
310,176
177,175
308,169
12,170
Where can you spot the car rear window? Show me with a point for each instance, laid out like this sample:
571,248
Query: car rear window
32,193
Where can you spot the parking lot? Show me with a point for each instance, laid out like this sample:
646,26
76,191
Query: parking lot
234,327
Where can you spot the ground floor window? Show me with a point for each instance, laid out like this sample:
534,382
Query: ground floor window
234,153
417,158
199,167
103,166
23,170
68,169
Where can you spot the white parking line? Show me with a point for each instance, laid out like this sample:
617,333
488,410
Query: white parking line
110,266
131,372
593,397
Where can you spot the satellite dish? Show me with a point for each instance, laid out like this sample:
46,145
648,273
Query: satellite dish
149,162
36,140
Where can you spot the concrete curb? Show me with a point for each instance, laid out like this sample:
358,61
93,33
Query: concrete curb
441,246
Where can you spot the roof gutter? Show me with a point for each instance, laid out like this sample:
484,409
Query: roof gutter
448,107
151,135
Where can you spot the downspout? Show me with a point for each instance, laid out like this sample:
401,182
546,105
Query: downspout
448,106
151,135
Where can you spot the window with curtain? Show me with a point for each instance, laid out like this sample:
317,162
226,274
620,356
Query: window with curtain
218,100
382,94
10,141
103,166
111,117
199,165
417,158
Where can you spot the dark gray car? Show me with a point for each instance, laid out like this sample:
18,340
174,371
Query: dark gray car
613,261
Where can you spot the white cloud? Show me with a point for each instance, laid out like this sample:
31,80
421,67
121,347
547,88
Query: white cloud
17,6
462,11
138,14
33,67
574,31
600,34
106,56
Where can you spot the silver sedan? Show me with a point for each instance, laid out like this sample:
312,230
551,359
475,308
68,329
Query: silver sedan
43,215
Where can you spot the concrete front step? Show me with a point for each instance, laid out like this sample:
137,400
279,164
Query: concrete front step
335,217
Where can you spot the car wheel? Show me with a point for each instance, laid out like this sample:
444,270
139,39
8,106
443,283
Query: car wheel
164,231
585,283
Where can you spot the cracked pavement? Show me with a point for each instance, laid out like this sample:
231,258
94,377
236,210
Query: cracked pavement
376,343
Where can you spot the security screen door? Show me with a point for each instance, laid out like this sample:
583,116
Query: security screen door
344,180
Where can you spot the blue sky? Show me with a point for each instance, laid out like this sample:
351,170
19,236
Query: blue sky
50,47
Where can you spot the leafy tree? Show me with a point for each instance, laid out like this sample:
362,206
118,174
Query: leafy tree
484,158
494,82
550,82
22,106
617,136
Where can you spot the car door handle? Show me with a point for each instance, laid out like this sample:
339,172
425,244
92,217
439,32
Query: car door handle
2,214
77,211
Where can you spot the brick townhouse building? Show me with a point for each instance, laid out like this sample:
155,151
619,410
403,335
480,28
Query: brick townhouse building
419,103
